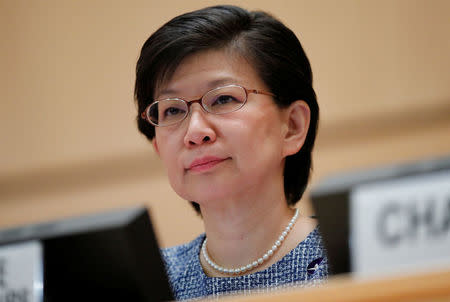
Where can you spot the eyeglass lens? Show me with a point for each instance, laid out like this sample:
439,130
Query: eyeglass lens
217,101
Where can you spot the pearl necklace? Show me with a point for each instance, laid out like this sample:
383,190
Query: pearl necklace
255,263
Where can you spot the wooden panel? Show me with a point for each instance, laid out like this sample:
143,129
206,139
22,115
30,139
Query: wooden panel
69,143
431,286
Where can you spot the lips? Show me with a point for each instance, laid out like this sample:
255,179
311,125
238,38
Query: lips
205,163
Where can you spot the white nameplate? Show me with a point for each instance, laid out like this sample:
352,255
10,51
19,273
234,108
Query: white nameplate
21,273
401,225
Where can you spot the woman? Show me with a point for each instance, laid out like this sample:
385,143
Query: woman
226,98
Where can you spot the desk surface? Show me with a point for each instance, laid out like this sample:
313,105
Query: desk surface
418,287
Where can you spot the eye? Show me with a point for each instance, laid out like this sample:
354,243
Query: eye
171,111
223,100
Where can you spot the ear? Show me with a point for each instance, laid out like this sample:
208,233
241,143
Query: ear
297,118
155,145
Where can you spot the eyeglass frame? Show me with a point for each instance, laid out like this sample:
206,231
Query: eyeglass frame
145,116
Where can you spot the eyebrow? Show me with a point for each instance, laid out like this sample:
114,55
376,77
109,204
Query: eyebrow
208,86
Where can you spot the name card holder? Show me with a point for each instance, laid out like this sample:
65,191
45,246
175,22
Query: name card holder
21,272
401,225
110,256
388,220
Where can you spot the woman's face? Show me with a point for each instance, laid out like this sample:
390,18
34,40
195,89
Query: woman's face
216,157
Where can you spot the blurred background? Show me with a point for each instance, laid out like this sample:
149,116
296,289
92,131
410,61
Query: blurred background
68,140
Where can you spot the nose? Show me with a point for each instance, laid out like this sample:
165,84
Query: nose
199,129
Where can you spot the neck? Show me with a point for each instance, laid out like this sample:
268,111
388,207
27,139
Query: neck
245,229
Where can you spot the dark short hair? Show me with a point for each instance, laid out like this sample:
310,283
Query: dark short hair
272,49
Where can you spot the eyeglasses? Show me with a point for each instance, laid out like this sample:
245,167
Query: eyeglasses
220,100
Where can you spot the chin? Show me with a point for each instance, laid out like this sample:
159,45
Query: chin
204,195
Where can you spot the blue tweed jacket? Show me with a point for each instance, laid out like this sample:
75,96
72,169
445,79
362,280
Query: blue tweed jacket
306,264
